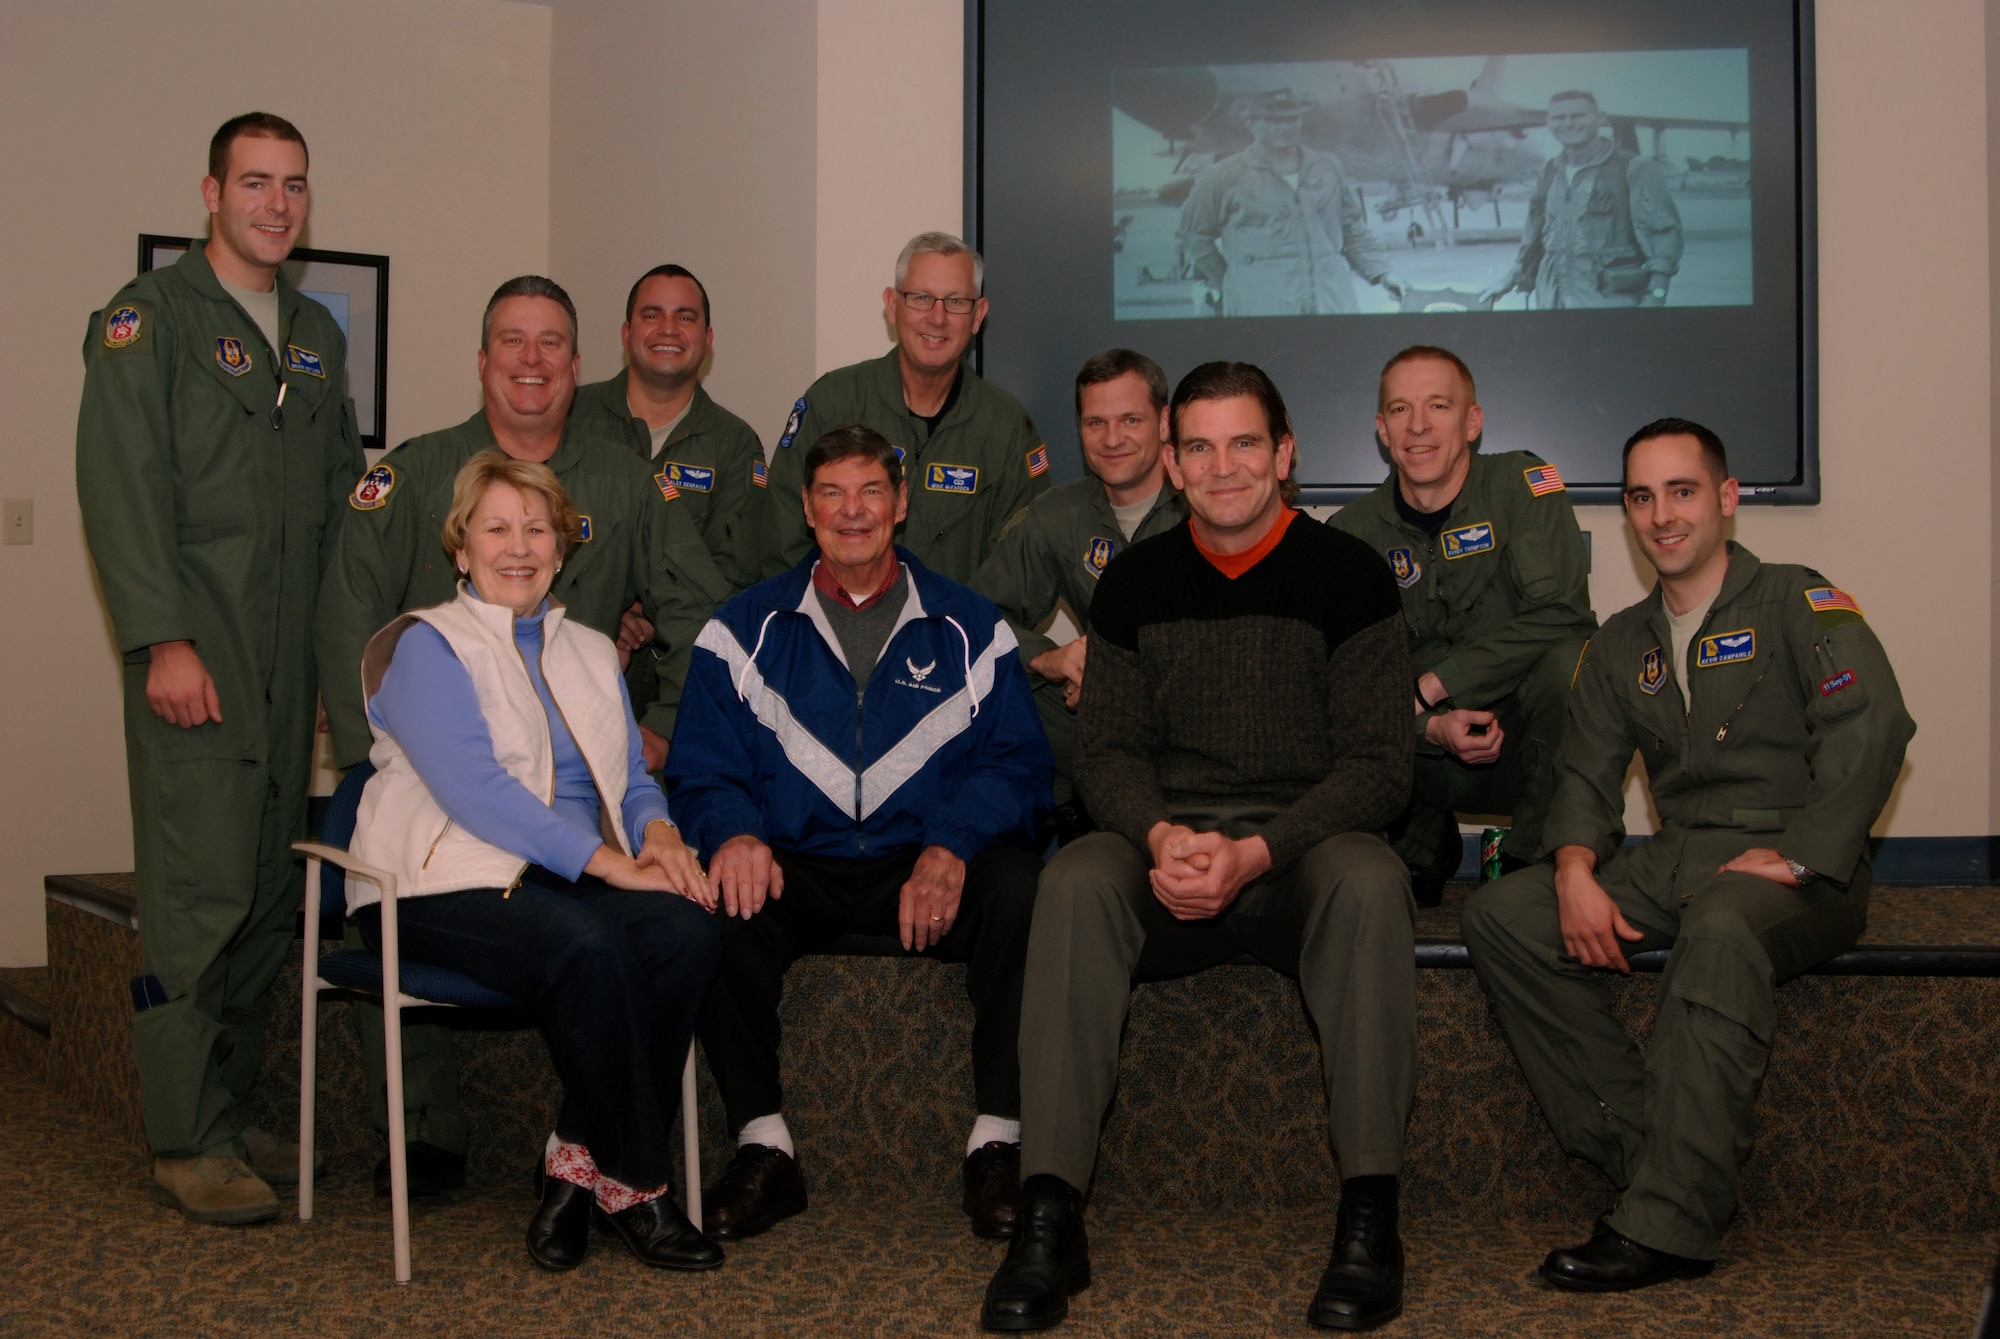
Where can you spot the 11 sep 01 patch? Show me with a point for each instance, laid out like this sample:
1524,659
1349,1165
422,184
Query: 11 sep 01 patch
1097,556
231,356
374,488
1467,540
1726,648
694,478
942,478
1403,563
123,327
1652,671
304,361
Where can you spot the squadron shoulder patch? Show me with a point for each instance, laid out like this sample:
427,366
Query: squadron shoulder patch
304,361
1098,555
694,478
123,327
1403,563
760,474
231,356
374,488
1652,671
942,478
1726,648
792,424
1544,479
1467,540
583,528
1038,461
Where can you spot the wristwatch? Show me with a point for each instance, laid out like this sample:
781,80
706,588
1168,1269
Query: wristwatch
1800,872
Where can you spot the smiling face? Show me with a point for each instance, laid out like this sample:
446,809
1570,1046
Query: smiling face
528,367
935,340
667,337
511,552
1122,433
1428,422
1574,121
854,510
258,211
1679,510
1229,468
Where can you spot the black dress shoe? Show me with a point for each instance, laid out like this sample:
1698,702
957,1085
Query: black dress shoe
992,1176
559,1233
433,1171
1610,1262
1363,1283
1070,820
1047,1264
759,1186
661,1235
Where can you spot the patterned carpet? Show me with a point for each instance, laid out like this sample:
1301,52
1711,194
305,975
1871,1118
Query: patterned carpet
93,1254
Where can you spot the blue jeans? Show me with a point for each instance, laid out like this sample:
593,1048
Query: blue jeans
612,978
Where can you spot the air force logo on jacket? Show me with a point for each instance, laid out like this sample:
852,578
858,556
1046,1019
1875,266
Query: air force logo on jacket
944,748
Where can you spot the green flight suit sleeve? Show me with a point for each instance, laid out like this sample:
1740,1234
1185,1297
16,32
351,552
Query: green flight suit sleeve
366,583
731,525
1357,240
1544,563
1200,226
1858,730
125,478
1015,577
682,588
1017,487
343,470
786,536
1588,806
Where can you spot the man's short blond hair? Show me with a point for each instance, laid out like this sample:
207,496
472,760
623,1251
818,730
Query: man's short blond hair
529,478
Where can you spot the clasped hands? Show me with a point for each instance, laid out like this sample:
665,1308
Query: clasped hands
1196,875
745,874
664,864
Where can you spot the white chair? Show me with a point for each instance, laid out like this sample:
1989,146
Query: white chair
401,985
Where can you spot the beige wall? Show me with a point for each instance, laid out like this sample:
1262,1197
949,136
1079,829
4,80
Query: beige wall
475,139
684,131
429,130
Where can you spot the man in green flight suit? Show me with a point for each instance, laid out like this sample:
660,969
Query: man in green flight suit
214,448
638,545
1058,548
1772,731
1496,593
711,457
972,456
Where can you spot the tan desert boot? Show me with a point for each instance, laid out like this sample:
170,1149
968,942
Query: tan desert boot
214,1190
275,1159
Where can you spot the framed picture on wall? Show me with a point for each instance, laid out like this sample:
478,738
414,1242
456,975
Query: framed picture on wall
350,284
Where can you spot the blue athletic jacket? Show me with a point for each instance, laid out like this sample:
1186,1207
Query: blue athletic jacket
773,739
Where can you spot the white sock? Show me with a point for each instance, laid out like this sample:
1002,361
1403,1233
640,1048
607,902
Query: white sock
769,1131
992,1129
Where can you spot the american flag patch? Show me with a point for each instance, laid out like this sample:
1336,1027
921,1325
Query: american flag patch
1543,479
1038,461
760,474
667,489
1826,599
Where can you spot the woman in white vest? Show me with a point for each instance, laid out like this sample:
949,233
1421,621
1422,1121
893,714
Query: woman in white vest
534,854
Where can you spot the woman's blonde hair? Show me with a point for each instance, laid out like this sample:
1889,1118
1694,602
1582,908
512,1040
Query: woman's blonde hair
529,477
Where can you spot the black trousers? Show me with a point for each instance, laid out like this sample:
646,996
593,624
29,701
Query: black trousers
825,898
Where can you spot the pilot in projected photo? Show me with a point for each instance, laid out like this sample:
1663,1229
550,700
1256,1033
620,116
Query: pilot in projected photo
1437,184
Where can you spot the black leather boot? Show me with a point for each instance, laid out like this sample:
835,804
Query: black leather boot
1047,1263
1362,1287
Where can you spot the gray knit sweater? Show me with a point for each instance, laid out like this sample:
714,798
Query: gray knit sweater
1286,687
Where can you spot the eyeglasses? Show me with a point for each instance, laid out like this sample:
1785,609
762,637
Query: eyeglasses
923,302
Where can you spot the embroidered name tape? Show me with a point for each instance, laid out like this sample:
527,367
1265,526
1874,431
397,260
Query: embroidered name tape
374,488
939,478
1407,569
694,478
304,361
1467,539
1727,648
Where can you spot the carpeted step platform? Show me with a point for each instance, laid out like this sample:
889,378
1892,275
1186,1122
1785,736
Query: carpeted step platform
1877,1114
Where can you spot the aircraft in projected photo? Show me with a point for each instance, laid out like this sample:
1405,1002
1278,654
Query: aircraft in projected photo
1459,147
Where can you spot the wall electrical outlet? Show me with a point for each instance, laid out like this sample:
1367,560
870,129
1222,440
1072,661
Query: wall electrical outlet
17,520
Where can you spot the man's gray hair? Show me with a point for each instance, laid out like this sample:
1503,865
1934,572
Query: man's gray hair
528,286
939,244
1576,95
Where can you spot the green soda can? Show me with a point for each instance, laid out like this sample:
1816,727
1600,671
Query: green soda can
1489,853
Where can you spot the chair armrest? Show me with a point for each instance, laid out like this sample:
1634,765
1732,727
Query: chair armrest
333,855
